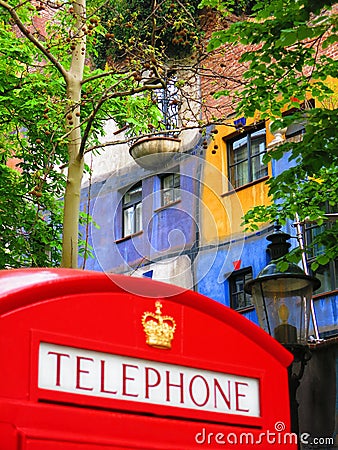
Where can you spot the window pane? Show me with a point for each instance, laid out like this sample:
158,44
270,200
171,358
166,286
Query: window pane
128,221
258,134
315,249
170,188
177,180
240,174
242,142
257,147
259,169
132,210
239,284
239,300
168,182
240,154
167,197
176,194
126,198
257,153
138,218
324,275
133,195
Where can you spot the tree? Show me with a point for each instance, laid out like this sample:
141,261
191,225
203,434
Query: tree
54,102
290,78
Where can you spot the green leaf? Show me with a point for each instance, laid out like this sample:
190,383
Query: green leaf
283,266
323,259
288,37
314,266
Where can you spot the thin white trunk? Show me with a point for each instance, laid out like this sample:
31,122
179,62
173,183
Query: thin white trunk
76,163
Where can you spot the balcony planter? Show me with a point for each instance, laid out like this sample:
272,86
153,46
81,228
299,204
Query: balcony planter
155,152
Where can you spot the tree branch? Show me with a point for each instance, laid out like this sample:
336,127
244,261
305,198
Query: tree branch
158,133
102,100
31,38
100,75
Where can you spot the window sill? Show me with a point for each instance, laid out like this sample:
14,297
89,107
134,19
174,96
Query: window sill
130,236
325,294
244,309
245,186
169,205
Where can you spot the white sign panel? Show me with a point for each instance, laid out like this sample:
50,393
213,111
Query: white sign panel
85,372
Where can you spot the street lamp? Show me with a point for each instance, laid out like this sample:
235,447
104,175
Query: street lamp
282,301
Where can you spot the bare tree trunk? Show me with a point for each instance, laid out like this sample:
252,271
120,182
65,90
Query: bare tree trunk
76,163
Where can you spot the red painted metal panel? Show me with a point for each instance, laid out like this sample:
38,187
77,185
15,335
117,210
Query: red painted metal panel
91,312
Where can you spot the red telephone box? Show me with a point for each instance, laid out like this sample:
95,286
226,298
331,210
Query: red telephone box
96,362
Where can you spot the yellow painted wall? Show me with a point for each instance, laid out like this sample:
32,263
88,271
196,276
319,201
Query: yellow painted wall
221,210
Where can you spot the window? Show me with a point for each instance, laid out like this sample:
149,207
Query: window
245,158
170,188
295,132
328,273
238,298
132,210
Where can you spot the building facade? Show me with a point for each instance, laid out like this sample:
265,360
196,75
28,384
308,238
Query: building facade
181,223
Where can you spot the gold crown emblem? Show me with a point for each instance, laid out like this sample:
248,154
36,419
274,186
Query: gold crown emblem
159,329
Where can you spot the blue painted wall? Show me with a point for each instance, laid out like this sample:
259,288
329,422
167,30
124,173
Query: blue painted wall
166,232
173,231
216,264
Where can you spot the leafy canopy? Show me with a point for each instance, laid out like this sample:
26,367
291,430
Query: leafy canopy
142,27
38,115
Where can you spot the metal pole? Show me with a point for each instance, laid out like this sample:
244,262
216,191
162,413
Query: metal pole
300,239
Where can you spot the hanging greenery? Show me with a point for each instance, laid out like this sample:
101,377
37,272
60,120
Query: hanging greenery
135,26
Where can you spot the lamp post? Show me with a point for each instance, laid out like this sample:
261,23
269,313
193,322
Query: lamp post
282,301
